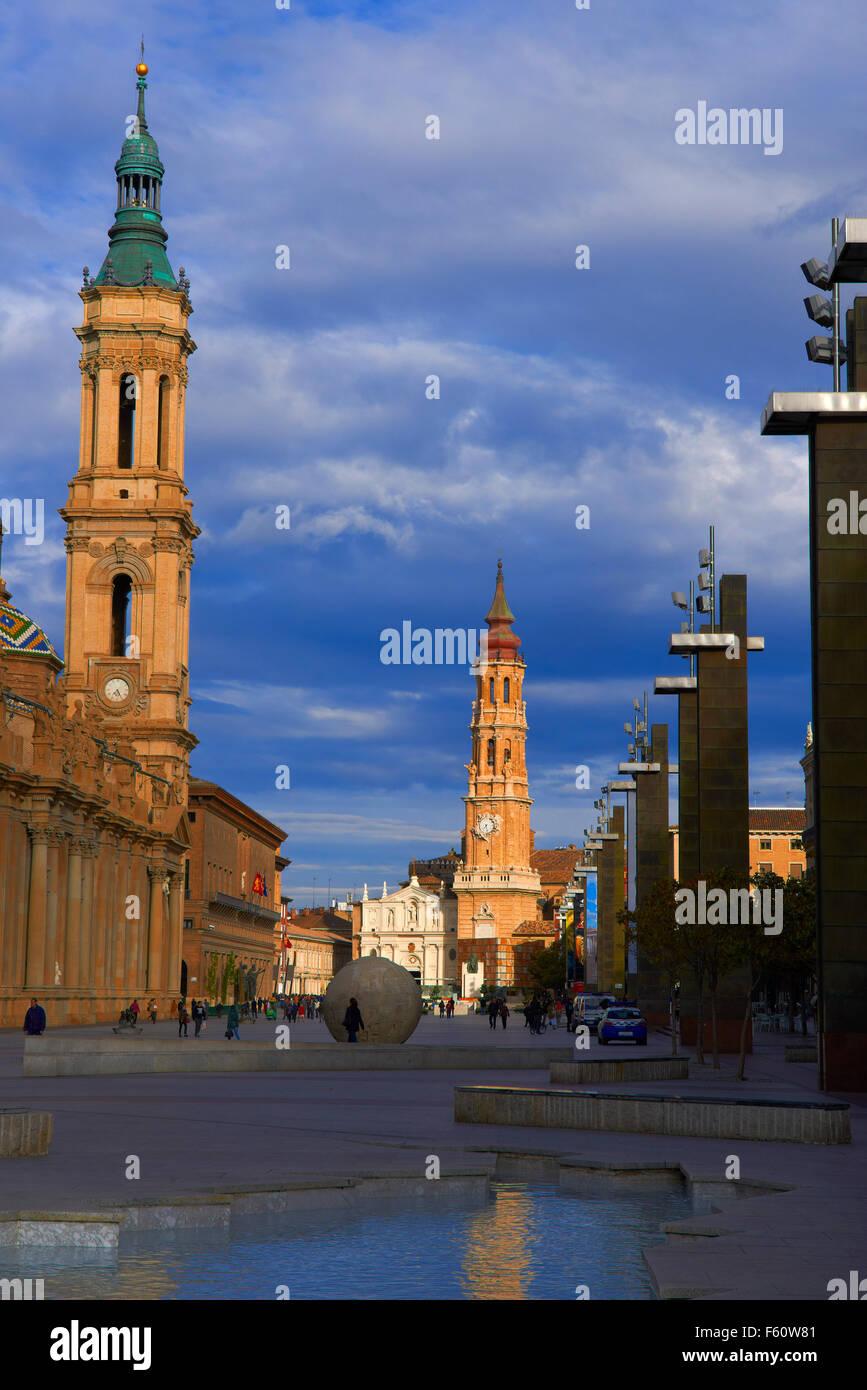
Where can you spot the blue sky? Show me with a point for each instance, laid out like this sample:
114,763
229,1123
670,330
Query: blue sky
410,257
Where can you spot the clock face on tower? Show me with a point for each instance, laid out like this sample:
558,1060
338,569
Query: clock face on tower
116,690
486,825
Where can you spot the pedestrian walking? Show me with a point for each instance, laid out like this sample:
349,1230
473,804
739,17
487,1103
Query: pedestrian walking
493,1009
183,1020
232,1022
442,1008
450,1008
352,1020
34,1019
504,1013
152,1011
135,1011
199,1015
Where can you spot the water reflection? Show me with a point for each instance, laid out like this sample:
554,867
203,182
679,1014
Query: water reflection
526,1241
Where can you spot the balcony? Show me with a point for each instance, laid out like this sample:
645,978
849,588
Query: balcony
248,909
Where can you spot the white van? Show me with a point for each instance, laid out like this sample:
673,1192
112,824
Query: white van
589,1008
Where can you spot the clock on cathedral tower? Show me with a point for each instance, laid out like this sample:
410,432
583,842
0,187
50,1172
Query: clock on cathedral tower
497,890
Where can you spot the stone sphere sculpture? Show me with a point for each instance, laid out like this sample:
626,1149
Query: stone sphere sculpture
388,997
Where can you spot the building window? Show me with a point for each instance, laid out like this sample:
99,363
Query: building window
795,844
492,690
765,868
188,924
506,690
764,844
186,878
796,870
121,589
126,421
490,752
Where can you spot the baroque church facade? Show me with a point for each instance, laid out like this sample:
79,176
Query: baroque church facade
94,762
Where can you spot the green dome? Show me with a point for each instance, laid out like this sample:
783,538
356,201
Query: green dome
136,242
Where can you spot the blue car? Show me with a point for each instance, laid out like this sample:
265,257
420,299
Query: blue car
623,1025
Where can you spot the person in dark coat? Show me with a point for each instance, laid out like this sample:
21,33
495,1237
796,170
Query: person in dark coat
34,1020
493,1010
352,1020
504,1013
232,1022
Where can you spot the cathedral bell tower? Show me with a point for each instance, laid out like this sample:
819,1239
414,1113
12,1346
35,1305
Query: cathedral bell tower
497,890
129,526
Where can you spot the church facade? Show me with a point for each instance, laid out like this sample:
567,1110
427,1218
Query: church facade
94,762
414,927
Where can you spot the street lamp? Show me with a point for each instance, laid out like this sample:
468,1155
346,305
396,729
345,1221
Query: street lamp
829,352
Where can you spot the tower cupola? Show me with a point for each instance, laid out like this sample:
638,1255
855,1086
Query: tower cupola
136,241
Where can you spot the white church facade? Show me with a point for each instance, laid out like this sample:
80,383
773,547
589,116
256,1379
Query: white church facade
415,928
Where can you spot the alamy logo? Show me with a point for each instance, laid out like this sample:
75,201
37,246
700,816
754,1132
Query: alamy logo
444,646
847,519
22,1289
737,907
737,126
24,516
77,1343
856,1288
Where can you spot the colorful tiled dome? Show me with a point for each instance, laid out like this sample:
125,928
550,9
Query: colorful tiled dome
18,633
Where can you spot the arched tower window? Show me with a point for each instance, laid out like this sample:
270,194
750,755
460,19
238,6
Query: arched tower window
492,690
94,398
490,752
163,423
120,613
506,690
126,421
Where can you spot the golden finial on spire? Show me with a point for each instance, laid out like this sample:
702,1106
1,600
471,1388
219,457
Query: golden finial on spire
142,67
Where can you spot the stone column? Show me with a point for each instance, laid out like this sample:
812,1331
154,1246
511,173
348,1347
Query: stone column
156,978
72,952
36,907
87,933
175,931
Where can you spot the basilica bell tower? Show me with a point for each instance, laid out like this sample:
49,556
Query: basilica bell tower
497,890
129,526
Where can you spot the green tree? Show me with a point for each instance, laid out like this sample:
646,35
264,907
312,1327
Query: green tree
211,980
659,938
548,966
229,978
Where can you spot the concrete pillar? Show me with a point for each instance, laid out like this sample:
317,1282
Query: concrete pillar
838,564
611,934
687,785
652,863
174,928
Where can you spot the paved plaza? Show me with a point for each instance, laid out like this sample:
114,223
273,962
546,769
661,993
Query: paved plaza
196,1133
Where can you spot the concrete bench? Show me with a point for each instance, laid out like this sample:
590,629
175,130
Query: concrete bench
594,1070
25,1133
114,1057
704,1117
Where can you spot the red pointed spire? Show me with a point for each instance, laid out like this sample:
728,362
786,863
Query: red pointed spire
502,641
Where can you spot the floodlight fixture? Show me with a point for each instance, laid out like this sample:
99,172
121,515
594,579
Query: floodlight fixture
704,559
684,627
678,599
817,272
702,603
636,705
822,350
627,729
631,750
820,310
704,580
